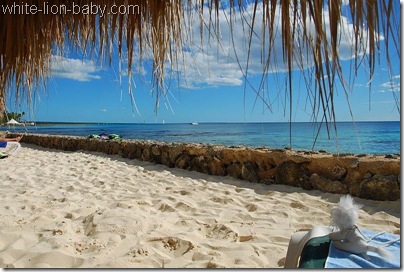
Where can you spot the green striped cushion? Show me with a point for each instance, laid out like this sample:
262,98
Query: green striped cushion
315,252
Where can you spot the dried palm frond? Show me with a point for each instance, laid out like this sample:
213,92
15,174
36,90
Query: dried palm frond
28,41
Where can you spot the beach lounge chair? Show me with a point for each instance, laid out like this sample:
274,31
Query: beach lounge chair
298,242
314,249
9,148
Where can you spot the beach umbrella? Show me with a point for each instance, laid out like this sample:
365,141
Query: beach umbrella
13,122
162,29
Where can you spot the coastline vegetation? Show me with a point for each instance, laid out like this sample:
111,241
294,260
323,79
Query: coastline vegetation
11,115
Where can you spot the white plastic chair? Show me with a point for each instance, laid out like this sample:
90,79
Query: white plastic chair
299,240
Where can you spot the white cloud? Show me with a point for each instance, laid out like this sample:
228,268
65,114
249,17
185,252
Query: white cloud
204,69
75,69
138,68
393,85
103,110
218,61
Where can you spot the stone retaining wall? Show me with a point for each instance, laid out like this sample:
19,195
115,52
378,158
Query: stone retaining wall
365,176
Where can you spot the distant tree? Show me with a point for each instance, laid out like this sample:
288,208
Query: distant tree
12,115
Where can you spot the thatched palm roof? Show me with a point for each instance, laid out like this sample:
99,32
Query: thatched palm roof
28,40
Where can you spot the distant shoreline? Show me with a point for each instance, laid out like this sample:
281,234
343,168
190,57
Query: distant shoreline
45,123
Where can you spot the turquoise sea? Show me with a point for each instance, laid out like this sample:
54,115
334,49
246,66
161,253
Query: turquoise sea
356,138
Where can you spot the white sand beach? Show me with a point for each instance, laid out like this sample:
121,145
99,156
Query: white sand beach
88,210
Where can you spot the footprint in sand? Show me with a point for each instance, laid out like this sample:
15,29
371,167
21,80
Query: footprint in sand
183,192
166,208
222,200
251,207
184,207
139,252
297,205
172,245
220,231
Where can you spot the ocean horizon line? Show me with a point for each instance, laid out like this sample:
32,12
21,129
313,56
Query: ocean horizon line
208,122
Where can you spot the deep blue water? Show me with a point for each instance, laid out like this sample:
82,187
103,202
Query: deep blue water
358,138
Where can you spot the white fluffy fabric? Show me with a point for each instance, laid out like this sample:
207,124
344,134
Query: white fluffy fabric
345,214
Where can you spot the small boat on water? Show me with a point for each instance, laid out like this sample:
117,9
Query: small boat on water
194,123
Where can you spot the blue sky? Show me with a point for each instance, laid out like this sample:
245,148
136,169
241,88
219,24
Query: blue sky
211,89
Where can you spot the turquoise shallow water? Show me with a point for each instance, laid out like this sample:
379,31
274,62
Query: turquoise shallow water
358,138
